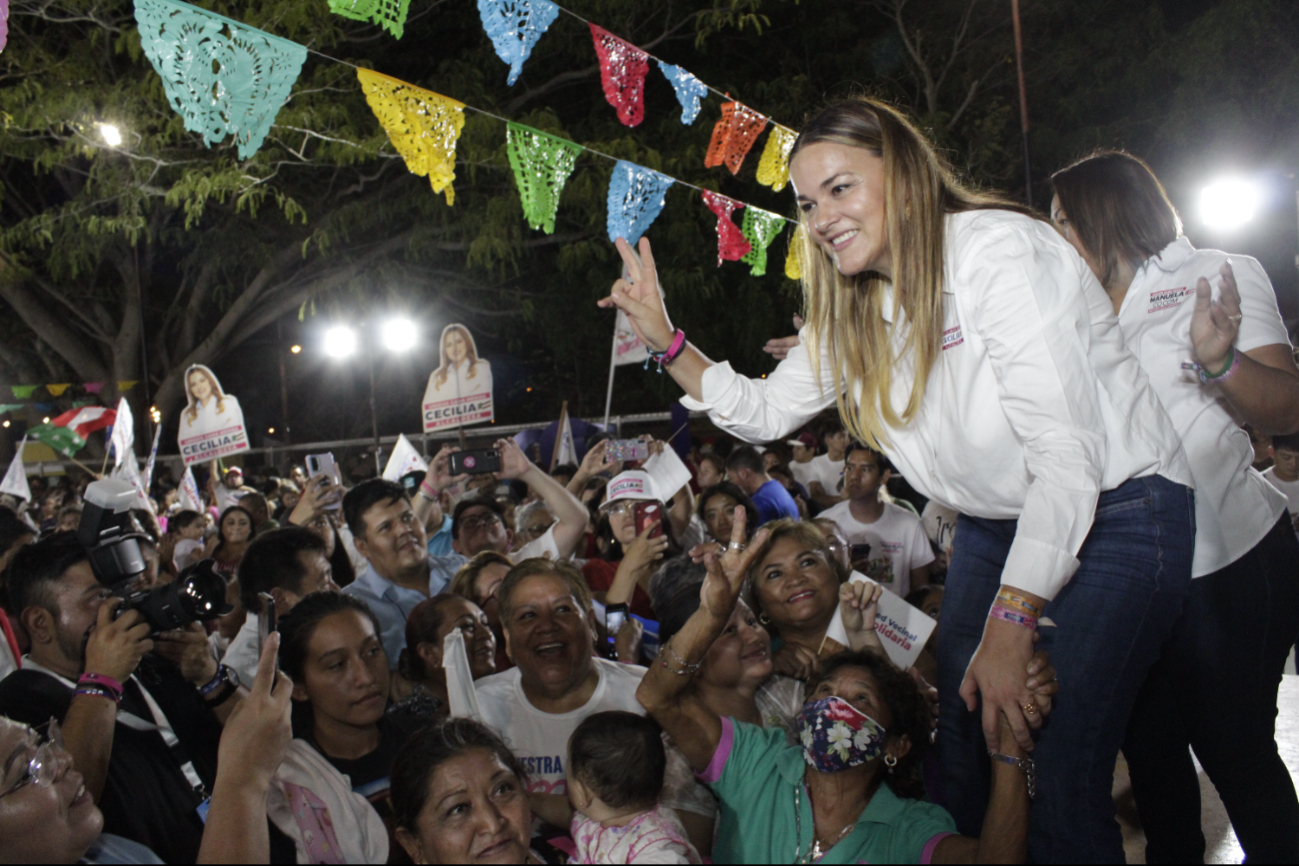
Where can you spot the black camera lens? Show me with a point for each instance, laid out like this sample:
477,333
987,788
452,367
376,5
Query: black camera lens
198,595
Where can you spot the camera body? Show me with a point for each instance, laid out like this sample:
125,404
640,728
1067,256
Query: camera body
111,543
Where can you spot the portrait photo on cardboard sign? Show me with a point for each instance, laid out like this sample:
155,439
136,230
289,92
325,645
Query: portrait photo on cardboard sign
460,389
212,422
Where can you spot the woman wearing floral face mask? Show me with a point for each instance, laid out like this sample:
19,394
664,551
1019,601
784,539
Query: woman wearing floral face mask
849,791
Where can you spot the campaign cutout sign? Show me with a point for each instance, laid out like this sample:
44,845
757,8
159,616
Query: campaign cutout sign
460,389
212,424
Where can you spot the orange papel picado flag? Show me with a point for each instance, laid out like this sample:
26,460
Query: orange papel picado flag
422,125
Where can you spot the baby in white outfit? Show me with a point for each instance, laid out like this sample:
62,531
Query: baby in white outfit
616,764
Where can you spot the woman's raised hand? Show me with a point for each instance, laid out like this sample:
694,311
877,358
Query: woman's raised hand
638,296
726,573
1214,324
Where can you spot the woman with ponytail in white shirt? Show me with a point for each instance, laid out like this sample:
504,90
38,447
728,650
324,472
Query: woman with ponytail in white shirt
1214,362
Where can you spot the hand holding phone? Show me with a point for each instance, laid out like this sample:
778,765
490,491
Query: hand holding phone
615,617
475,461
323,465
628,449
645,514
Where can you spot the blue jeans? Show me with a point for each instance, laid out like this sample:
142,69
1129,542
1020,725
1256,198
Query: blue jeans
1214,689
1110,621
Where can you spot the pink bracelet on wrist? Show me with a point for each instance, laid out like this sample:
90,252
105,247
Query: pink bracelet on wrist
428,491
1020,619
673,352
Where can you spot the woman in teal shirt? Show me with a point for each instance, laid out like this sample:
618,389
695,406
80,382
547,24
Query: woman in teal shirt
850,792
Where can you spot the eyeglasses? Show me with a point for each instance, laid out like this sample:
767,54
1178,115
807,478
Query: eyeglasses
476,520
622,509
44,764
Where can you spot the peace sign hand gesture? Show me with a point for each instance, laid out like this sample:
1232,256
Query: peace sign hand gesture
726,573
638,296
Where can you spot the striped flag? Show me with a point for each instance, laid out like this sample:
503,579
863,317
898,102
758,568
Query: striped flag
67,433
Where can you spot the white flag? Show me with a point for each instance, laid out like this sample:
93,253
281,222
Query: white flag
565,450
129,470
627,347
189,496
123,438
15,481
404,459
153,459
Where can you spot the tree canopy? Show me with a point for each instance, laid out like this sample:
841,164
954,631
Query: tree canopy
163,249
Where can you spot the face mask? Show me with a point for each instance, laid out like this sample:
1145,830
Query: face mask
836,735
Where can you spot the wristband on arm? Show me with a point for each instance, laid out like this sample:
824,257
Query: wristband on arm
664,359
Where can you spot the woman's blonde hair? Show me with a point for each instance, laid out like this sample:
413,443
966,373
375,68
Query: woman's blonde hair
846,312
192,412
471,353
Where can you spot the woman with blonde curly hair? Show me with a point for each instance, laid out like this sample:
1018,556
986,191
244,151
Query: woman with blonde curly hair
965,339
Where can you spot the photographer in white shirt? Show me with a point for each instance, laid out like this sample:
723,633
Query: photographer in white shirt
1242,614
969,341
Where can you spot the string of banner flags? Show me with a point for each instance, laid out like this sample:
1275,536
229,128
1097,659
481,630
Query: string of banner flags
226,78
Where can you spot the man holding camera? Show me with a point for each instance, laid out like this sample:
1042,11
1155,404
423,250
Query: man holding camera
140,713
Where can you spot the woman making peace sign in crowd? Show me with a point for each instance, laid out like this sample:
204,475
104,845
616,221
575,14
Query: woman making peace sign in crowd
969,342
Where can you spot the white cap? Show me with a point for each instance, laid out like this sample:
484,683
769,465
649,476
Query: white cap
632,484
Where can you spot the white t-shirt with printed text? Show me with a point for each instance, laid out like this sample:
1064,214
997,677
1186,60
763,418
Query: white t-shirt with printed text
898,544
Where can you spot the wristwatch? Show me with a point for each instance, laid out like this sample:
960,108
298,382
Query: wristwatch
221,687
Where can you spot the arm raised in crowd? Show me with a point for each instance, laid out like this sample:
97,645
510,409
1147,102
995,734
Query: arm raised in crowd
596,461
427,503
252,746
571,514
665,692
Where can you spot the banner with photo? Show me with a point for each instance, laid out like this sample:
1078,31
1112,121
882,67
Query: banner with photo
460,389
212,424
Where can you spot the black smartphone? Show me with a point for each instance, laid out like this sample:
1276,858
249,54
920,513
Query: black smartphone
266,622
615,616
476,461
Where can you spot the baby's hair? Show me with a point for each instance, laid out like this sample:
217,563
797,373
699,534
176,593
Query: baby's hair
620,757
182,520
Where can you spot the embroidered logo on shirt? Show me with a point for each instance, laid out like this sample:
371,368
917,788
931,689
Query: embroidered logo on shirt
952,338
1166,299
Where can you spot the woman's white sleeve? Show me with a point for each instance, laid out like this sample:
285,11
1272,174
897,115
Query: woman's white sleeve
763,410
1031,311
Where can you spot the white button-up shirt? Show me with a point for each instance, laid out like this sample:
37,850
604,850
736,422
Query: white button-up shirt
1234,505
1033,408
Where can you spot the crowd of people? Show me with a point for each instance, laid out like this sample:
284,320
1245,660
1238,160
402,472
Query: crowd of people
1071,441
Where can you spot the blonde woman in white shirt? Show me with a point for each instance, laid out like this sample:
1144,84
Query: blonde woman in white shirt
1229,648
969,341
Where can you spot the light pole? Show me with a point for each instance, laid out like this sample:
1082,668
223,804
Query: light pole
398,335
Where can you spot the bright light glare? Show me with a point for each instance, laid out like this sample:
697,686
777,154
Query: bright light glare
1229,203
6,423
340,341
399,335
295,349
47,420
111,134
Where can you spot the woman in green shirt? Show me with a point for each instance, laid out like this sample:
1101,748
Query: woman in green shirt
850,792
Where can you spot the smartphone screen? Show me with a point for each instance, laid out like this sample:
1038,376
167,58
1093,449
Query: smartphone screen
627,449
647,513
615,616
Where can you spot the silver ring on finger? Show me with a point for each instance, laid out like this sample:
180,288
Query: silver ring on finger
736,546
1235,318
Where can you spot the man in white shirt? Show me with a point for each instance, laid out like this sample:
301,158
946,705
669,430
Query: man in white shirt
1283,474
827,469
899,554
803,450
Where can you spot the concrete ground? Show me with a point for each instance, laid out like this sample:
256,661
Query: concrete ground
1222,846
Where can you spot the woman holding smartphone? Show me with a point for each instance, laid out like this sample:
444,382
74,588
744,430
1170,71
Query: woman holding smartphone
965,339
642,536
